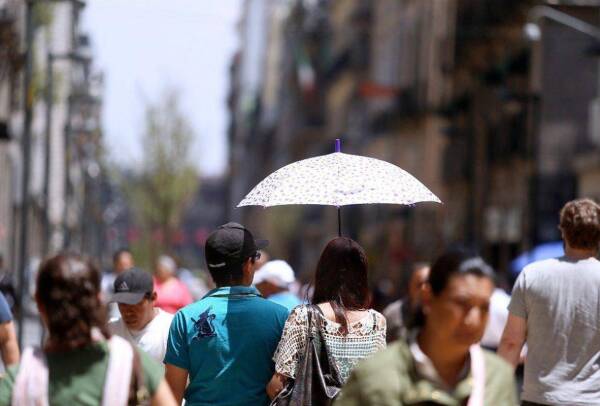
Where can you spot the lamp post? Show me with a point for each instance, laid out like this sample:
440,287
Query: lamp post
80,102
533,32
532,29
85,137
50,59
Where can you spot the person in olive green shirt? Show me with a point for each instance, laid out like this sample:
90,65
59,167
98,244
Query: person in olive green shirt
77,377
440,363
83,366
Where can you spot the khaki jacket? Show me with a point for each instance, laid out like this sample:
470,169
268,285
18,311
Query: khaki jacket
389,378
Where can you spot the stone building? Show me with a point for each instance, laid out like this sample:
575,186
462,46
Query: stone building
65,141
450,90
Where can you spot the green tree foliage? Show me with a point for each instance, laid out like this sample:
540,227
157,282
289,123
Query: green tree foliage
161,189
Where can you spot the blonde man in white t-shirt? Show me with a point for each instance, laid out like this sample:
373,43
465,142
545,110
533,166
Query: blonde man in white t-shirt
141,323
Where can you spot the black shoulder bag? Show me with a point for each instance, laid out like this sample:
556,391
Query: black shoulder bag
317,380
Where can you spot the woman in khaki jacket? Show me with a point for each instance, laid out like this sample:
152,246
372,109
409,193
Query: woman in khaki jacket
441,363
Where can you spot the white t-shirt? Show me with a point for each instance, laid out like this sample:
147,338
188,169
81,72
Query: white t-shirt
559,300
152,338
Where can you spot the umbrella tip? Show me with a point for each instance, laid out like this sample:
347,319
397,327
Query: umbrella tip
338,145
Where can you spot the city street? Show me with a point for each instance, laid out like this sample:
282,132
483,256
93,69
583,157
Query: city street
315,152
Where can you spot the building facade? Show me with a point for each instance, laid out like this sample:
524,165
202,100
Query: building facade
450,90
65,169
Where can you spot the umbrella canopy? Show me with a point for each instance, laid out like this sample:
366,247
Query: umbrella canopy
547,250
338,179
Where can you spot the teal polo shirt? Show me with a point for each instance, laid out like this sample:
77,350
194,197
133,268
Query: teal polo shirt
226,342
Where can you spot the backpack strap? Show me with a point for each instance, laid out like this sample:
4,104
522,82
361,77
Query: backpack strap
478,372
118,374
31,382
139,394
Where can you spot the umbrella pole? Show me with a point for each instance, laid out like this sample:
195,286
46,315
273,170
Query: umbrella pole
338,148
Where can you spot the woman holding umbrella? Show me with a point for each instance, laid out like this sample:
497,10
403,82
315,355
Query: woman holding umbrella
341,318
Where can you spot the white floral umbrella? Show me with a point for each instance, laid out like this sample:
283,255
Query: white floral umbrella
338,179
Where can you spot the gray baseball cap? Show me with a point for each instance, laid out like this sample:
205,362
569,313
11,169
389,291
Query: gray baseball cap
131,286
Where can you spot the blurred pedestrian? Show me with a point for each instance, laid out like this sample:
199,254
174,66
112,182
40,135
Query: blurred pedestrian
122,261
224,342
172,294
400,314
141,323
9,348
498,315
555,309
7,286
441,364
350,330
262,258
273,281
78,364
196,285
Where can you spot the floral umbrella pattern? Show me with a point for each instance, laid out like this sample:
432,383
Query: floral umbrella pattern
338,179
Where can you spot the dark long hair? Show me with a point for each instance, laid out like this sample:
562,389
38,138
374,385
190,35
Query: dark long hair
341,278
68,289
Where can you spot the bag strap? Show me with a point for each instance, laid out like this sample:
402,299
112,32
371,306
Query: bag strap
374,321
118,375
478,372
31,383
124,383
310,309
323,344
138,392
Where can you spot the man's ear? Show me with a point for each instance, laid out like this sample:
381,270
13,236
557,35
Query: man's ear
153,297
562,234
248,264
248,269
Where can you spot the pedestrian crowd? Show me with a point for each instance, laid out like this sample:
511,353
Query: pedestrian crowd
251,340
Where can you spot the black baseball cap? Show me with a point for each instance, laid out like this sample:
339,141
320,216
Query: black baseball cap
131,286
230,244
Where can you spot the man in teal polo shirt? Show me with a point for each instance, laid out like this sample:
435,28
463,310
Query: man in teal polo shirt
225,342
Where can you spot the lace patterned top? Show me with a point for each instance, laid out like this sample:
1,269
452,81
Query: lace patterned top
365,336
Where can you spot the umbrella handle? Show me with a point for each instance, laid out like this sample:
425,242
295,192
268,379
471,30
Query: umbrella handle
338,148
